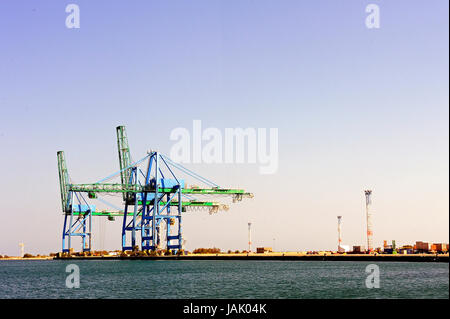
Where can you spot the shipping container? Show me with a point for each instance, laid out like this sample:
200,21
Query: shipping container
358,249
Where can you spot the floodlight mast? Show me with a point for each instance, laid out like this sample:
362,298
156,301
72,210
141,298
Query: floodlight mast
368,194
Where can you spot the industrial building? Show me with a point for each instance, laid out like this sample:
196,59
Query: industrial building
262,250
418,248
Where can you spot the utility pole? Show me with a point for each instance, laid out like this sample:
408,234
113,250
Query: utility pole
249,237
339,233
368,194
22,253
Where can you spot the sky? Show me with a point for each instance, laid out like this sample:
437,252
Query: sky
355,108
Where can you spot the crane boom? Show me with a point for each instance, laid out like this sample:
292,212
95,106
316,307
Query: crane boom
124,156
63,180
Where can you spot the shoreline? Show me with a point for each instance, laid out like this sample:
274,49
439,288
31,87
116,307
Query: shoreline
29,258
254,256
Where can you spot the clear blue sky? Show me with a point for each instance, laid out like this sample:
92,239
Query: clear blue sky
356,108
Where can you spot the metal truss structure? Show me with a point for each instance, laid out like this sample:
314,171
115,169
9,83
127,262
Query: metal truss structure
154,200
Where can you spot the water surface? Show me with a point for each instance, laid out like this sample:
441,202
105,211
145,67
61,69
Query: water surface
221,279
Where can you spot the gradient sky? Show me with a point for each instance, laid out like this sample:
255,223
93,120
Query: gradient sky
356,108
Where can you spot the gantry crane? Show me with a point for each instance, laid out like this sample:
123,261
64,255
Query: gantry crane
154,197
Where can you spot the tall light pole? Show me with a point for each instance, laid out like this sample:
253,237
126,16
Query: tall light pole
249,237
368,194
339,233
22,253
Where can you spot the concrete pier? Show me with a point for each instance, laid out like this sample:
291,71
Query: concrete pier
281,256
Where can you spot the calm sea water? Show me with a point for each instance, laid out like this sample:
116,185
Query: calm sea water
222,279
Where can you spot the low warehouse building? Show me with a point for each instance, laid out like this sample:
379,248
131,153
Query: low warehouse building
261,250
